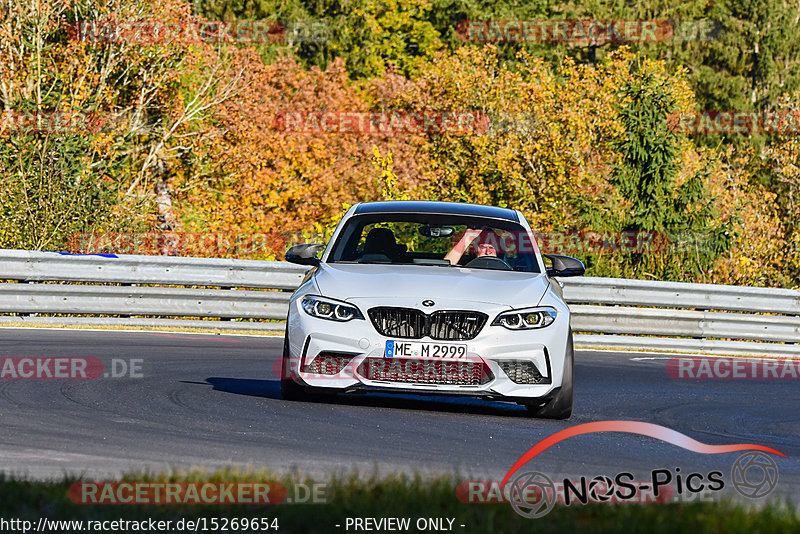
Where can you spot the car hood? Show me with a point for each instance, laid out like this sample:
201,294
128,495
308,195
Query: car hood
506,288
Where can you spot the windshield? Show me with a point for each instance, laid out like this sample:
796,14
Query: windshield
443,240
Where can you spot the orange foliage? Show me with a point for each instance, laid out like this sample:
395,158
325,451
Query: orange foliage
263,180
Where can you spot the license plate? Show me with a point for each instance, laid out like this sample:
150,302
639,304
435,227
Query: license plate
415,349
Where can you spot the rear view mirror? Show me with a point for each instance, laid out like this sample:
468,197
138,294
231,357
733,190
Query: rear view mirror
436,231
564,266
304,254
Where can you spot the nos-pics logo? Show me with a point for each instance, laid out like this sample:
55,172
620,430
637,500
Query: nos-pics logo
533,494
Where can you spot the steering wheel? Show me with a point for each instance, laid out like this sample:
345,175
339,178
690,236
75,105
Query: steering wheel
489,262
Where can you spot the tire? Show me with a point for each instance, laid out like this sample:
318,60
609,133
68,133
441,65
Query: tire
290,390
560,406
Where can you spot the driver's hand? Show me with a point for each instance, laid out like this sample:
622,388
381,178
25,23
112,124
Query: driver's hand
470,235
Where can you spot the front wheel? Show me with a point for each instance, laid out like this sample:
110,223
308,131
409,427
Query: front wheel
290,390
560,406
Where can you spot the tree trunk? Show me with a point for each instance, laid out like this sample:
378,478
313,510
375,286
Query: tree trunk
168,223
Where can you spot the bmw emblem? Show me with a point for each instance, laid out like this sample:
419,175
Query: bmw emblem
428,303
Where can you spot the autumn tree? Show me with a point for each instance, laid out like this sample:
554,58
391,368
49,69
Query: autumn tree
543,137
262,179
371,36
645,175
55,171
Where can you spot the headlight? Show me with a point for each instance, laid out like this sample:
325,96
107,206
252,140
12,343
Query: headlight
330,309
527,319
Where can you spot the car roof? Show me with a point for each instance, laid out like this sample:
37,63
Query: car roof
436,207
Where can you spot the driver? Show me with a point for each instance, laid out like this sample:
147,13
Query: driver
485,242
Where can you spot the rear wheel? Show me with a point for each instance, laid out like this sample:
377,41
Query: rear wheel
560,406
290,390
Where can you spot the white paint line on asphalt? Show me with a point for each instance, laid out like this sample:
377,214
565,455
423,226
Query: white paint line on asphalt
757,358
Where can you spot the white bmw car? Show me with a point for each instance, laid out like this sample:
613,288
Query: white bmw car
432,298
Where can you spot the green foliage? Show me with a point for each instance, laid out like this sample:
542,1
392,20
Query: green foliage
375,35
396,495
96,108
646,177
649,154
370,35
754,59
739,55
577,135
48,192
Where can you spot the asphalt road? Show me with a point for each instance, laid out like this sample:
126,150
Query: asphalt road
208,401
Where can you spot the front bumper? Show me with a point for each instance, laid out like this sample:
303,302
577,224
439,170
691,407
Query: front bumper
359,343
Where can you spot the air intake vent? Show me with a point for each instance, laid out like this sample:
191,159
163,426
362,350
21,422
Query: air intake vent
328,363
411,323
522,372
426,371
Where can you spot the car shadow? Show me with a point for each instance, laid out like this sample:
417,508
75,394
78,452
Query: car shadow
271,389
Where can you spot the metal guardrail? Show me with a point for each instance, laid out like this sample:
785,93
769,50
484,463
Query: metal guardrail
698,324
682,345
624,292
163,301
622,311
162,270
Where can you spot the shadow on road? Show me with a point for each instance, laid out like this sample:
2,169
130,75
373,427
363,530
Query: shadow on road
247,386
271,389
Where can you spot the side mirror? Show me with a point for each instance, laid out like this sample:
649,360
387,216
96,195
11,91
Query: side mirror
304,254
565,266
